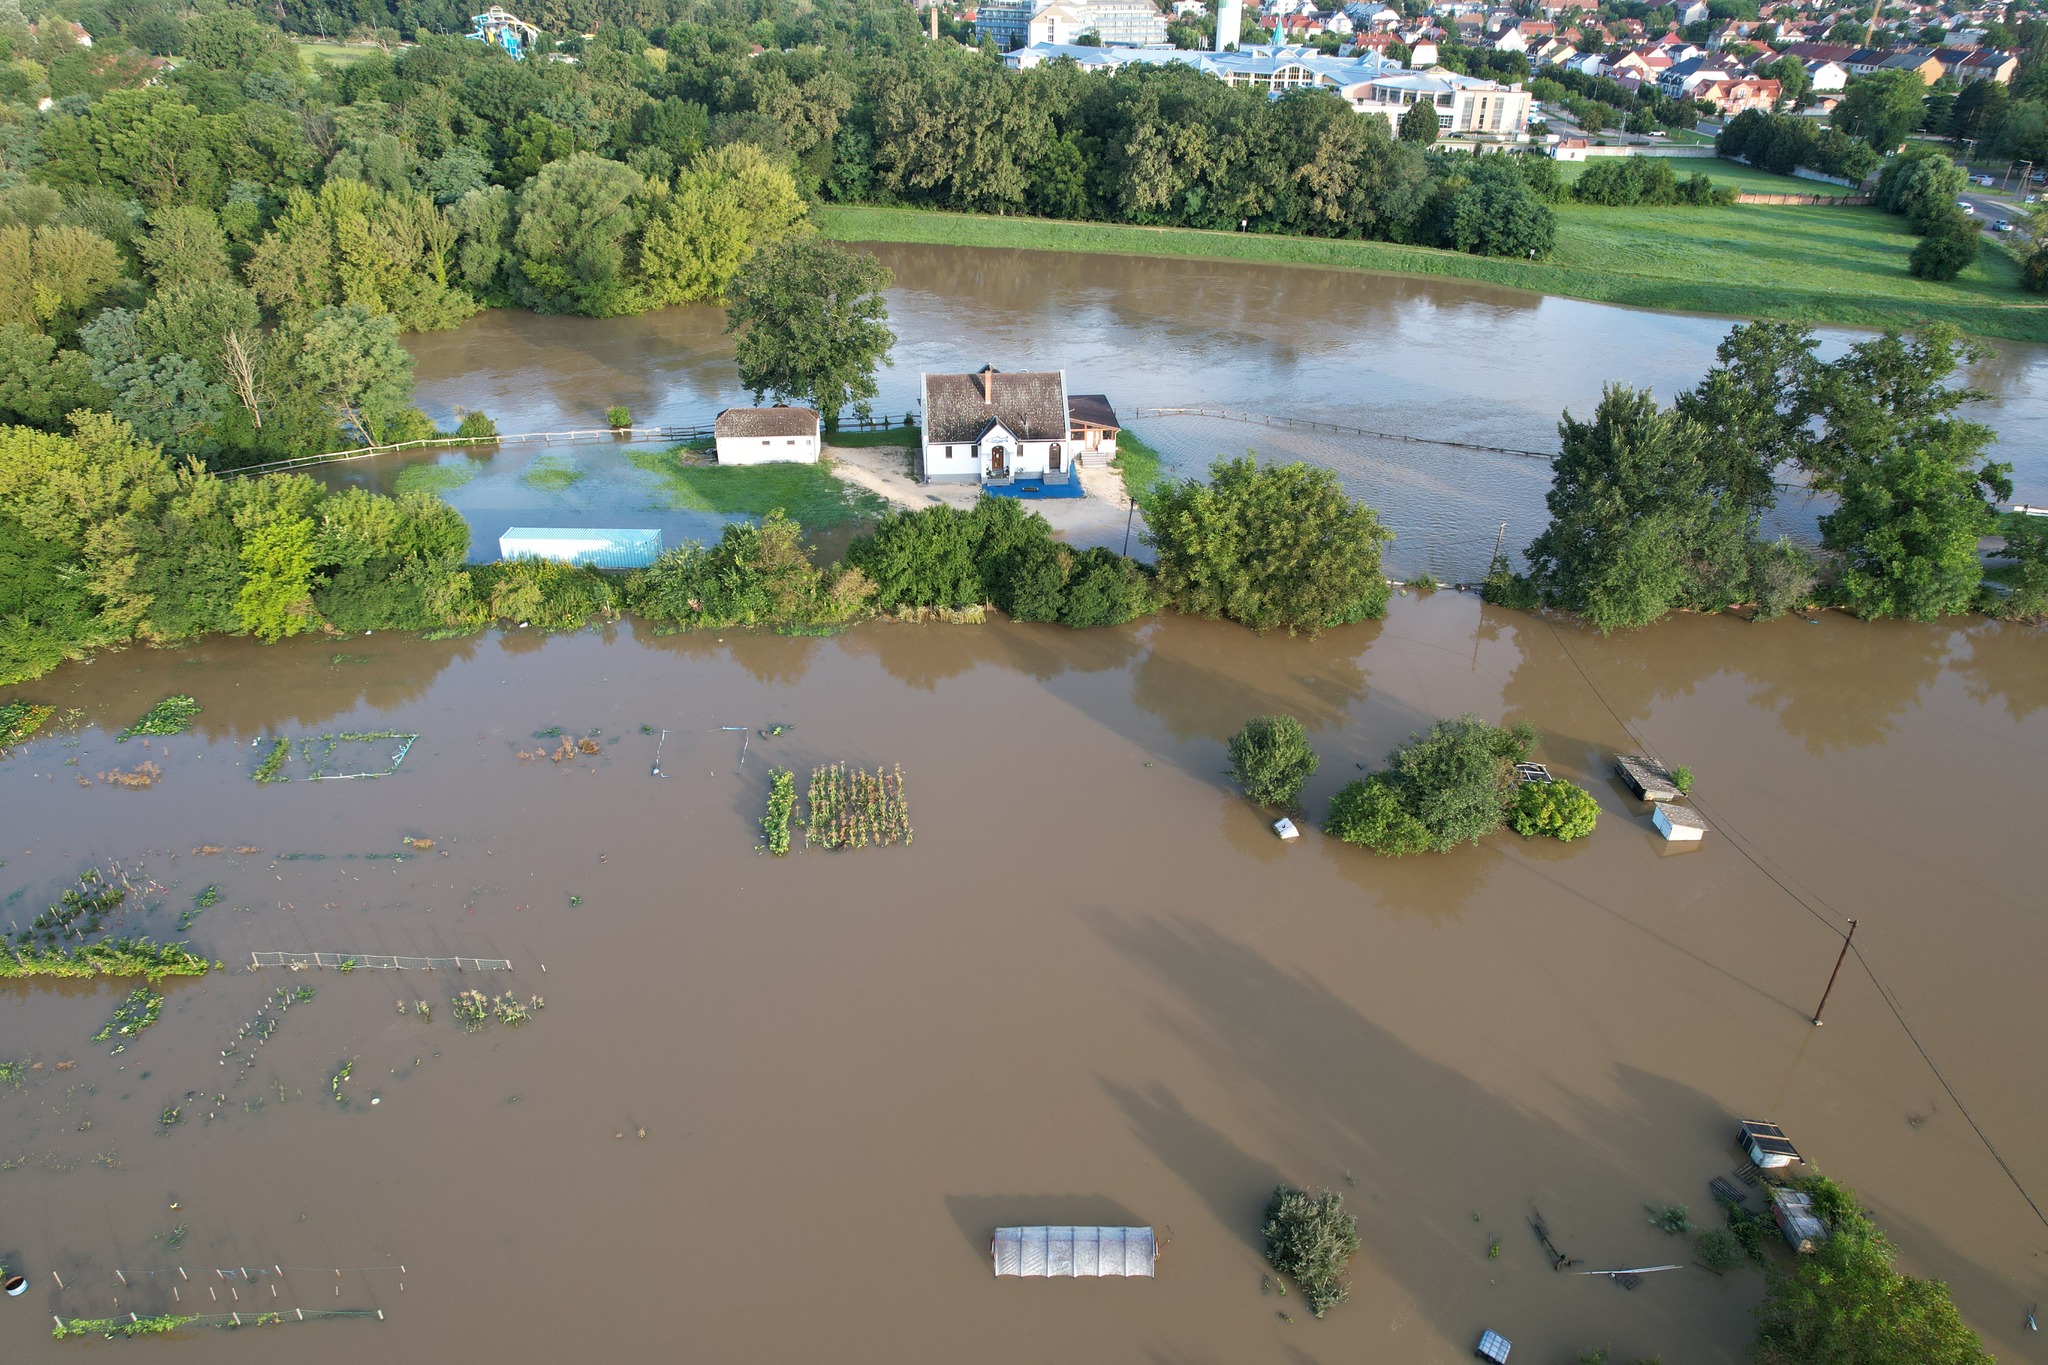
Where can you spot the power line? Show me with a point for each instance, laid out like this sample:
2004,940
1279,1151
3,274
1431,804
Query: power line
1884,991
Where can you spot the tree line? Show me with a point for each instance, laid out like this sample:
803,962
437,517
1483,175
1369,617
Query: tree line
1656,509
223,255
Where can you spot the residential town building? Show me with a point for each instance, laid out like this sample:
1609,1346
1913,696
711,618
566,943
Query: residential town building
1118,23
1467,106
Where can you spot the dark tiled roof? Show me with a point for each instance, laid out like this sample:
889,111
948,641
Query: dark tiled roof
1032,405
1092,408
767,422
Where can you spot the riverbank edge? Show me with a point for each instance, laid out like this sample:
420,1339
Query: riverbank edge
2018,321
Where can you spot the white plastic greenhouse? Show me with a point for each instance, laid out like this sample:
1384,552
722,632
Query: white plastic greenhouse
1074,1251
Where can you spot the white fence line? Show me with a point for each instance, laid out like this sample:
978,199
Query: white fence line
348,962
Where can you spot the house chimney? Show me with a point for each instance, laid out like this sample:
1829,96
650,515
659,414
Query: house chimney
988,383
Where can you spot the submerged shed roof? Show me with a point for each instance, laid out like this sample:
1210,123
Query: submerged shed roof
1047,1251
1031,405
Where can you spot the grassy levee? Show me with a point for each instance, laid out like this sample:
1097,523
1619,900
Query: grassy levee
1843,266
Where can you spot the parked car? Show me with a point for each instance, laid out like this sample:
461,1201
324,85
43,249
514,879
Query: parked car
1986,181
2001,226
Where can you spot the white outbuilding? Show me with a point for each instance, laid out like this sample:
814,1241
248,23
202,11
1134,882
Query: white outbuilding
1679,824
767,436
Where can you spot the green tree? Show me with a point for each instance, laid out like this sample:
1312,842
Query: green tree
1495,213
728,204
1558,809
1279,547
184,245
1310,1238
812,325
350,358
351,244
1881,108
1756,403
1450,786
1420,124
39,384
1922,184
1271,759
1949,248
1628,511
1914,488
578,223
1846,1304
51,277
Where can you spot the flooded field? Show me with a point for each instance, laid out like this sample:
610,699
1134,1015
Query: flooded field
772,1110
1444,359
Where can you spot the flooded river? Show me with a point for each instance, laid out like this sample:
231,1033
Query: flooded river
773,1109
1436,358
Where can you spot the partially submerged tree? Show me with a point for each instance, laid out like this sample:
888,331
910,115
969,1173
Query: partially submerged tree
1448,787
1281,546
1310,1238
812,325
1847,1305
1271,759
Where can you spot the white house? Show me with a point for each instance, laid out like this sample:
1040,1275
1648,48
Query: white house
1826,77
995,428
767,436
1422,54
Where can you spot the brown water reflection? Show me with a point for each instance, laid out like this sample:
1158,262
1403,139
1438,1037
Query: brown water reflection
1095,988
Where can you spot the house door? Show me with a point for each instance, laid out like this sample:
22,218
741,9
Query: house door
1052,459
998,463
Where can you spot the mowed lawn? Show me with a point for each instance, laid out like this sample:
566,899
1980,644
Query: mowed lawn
1793,262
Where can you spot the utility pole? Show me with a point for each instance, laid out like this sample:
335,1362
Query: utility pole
1128,516
1847,939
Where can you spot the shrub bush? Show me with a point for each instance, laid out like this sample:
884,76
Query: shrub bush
1271,759
1949,248
544,593
618,417
1276,547
1451,786
475,426
1558,809
757,575
1310,1238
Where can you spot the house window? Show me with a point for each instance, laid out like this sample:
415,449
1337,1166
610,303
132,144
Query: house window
949,452
790,442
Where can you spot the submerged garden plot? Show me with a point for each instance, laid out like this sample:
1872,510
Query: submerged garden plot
336,757
845,807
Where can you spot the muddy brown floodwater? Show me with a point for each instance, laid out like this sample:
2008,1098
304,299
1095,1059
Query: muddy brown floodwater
772,1110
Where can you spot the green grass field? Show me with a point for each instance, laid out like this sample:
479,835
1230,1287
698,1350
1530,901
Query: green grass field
808,492
1811,265
1138,462
552,473
314,54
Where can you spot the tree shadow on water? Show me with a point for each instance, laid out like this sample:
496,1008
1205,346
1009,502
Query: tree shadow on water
1421,1145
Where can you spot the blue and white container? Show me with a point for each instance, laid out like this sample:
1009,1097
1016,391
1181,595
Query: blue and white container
599,547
